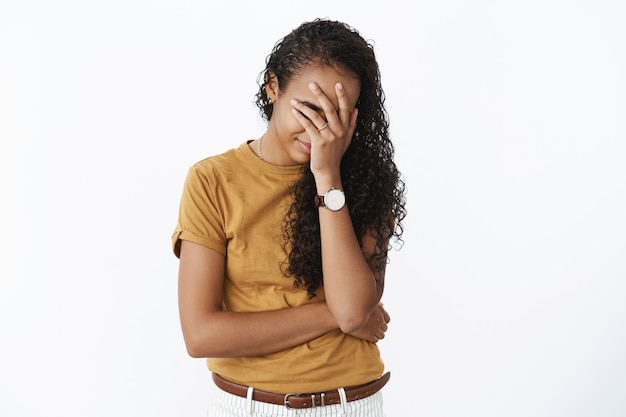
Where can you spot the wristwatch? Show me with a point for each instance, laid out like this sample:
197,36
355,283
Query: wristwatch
333,200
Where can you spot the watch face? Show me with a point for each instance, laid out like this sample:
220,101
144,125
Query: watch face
334,199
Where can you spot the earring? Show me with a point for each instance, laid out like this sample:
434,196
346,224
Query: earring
270,100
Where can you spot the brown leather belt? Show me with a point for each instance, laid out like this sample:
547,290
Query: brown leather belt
303,400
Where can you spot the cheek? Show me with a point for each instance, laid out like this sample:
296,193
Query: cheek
285,120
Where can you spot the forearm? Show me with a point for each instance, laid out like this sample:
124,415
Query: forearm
349,283
230,334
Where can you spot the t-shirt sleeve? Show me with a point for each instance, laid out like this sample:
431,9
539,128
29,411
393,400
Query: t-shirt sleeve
199,218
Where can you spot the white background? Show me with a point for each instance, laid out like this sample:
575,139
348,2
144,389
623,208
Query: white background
509,295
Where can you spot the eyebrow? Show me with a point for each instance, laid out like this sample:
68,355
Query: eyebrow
312,106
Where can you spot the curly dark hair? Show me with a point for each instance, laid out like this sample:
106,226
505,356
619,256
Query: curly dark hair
375,191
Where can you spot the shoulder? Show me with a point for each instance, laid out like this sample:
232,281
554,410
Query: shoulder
220,160
220,164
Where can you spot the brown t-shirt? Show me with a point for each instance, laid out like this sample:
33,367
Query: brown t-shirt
235,203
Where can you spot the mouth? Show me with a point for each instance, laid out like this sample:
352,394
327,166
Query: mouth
305,146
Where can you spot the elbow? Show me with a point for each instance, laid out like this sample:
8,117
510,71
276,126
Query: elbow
350,317
194,352
194,349
352,323
198,346
201,346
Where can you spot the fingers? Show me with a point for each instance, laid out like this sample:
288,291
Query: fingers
376,327
379,335
309,119
386,316
383,326
313,117
331,115
344,109
305,116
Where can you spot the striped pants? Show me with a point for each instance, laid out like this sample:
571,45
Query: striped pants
223,404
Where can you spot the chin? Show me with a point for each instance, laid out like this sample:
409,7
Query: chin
303,159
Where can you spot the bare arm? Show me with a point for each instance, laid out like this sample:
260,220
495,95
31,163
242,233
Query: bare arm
352,289
210,332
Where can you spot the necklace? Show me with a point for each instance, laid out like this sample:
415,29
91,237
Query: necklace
258,148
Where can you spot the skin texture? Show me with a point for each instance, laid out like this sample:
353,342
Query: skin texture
368,170
318,95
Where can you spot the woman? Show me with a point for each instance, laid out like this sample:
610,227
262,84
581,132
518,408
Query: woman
283,241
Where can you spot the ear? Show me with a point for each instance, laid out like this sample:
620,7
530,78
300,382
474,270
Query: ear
271,86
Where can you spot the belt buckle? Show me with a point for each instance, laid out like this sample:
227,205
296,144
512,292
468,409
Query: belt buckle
286,400
313,405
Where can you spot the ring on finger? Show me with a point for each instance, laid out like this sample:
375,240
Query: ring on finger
319,129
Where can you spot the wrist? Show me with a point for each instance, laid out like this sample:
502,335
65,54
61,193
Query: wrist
324,182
